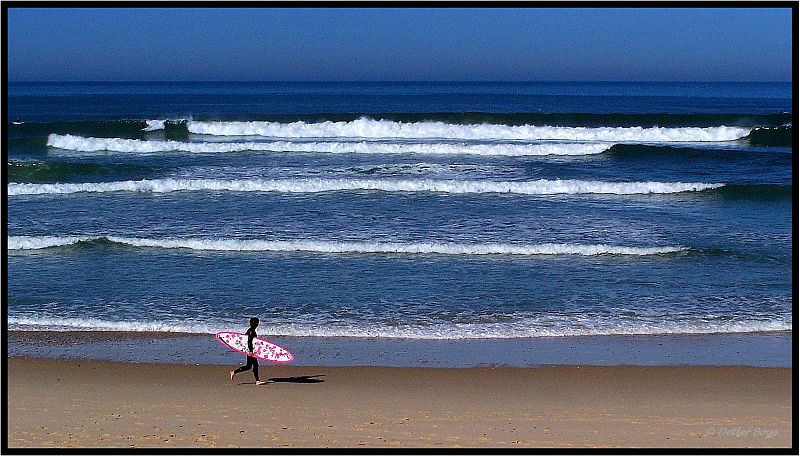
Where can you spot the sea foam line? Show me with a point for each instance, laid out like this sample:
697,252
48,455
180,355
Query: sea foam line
256,245
314,185
120,145
528,327
369,128
43,242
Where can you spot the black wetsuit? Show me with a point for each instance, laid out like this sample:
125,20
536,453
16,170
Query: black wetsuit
251,361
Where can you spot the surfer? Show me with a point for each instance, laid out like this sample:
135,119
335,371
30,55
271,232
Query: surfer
252,362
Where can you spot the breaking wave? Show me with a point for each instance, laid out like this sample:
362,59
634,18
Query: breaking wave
253,245
563,326
43,242
383,129
153,125
88,144
782,136
314,185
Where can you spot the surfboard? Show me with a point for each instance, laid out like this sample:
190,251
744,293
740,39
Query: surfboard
262,349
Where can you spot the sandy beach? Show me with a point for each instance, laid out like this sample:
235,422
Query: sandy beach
80,403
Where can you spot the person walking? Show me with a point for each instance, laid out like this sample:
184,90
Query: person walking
252,362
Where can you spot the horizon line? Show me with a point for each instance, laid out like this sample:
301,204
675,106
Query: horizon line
395,81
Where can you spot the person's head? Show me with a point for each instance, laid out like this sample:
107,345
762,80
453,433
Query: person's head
253,322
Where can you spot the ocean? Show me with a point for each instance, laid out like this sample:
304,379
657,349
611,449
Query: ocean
447,211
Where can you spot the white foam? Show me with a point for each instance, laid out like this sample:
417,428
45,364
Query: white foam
96,324
559,326
255,245
410,248
368,128
42,242
313,185
30,242
153,125
89,144
555,326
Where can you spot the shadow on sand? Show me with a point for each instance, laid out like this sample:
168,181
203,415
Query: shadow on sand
299,379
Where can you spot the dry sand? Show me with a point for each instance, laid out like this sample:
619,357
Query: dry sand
54,403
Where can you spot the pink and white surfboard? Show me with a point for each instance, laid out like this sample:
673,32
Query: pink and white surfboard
262,349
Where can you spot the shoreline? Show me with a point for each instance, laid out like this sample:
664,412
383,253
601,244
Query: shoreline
86,403
773,349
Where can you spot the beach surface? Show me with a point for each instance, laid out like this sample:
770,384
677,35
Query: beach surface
772,349
92,403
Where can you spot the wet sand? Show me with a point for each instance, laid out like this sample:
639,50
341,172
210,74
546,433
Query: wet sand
80,403
743,349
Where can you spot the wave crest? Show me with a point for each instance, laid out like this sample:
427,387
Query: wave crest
368,128
251,245
89,144
529,327
314,185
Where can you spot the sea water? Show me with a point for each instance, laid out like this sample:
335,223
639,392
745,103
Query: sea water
448,211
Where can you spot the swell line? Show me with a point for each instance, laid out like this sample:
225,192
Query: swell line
119,145
526,327
254,245
369,128
315,185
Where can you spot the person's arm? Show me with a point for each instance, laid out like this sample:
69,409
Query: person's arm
250,337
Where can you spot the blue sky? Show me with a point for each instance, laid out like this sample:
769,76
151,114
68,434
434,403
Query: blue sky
681,44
